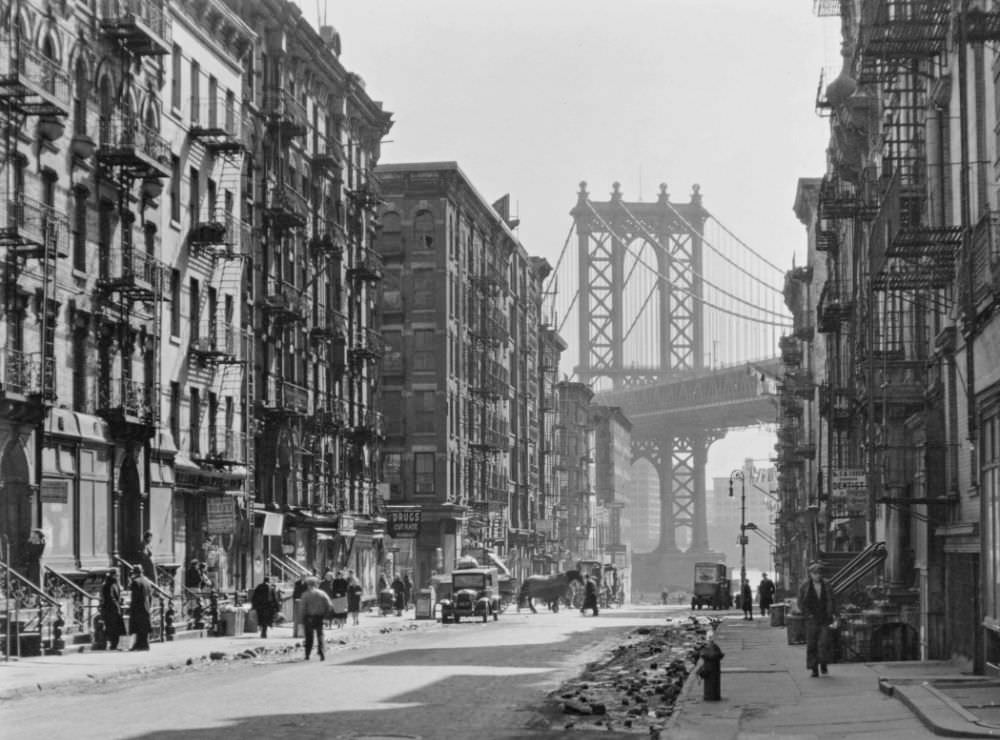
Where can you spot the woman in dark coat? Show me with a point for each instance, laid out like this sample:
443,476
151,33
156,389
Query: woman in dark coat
112,611
399,590
746,600
339,599
266,603
589,596
354,592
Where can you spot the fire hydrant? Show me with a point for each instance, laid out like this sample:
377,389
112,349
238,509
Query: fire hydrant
710,670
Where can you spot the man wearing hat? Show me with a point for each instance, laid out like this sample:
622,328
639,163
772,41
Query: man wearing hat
140,609
816,602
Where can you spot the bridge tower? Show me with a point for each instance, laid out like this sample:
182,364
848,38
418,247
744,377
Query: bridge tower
606,232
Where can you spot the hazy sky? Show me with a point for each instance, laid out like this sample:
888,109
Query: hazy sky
532,96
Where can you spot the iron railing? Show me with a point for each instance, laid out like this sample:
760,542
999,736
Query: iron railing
27,373
79,607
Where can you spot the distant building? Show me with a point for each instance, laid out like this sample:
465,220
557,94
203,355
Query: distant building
613,448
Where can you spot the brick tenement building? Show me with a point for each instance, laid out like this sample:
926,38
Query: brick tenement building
460,312
189,289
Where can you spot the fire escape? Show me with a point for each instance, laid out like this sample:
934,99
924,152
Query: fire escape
911,257
31,229
366,348
489,385
220,339
130,281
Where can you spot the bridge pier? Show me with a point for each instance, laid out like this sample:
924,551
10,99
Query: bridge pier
680,461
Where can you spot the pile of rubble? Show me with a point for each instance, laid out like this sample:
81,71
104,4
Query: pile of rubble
636,686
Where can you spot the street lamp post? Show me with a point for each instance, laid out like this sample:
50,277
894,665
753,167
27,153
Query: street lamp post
739,475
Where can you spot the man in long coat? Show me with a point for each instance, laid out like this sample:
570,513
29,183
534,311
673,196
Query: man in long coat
140,609
266,603
765,594
112,612
817,604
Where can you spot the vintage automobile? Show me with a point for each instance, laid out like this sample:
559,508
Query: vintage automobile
711,586
474,593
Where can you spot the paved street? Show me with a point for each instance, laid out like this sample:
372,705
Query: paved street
396,678
471,678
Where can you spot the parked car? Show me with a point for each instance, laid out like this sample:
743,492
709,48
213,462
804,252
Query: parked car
711,586
475,592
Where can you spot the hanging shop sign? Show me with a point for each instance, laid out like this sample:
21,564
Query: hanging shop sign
221,514
403,521
274,524
847,483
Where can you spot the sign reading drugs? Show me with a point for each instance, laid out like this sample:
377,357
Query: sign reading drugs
403,521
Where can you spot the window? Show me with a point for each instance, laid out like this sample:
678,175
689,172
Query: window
424,408
174,418
213,102
392,408
195,91
423,350
81,371
175,80
175,188
423,291
175,302
423,473
80,230
194,309
195,421
193,195
423,230
81,89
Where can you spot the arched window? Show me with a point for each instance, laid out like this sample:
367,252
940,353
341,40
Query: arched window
423,230
49,52
81,89
390,223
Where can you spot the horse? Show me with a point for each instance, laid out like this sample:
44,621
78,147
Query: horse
548,588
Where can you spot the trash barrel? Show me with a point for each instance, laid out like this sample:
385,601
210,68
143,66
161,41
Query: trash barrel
250,621
796,625
778,615
232,621
425,604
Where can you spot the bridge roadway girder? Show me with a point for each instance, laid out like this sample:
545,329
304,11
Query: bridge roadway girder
728,398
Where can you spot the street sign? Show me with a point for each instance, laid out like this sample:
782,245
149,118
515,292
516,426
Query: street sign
221,512
843,480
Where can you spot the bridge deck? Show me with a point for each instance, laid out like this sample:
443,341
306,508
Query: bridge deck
727,398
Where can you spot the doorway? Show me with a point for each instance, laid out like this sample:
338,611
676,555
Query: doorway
130,524
16,503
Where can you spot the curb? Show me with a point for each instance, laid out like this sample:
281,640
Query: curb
207,657
938,712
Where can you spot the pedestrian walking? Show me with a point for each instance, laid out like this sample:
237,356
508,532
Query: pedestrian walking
398,590
589,596
140,609
746,600
338,598
266,602
112,609
354,592
315,606
407,590
818,606
146,556
765,594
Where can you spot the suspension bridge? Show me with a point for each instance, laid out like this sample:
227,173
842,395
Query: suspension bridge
676,321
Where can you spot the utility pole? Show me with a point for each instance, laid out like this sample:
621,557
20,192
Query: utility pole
741,476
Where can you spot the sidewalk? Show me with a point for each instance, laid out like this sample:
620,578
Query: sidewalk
21,676
767,692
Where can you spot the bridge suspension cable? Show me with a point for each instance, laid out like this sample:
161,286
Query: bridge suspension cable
784,322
